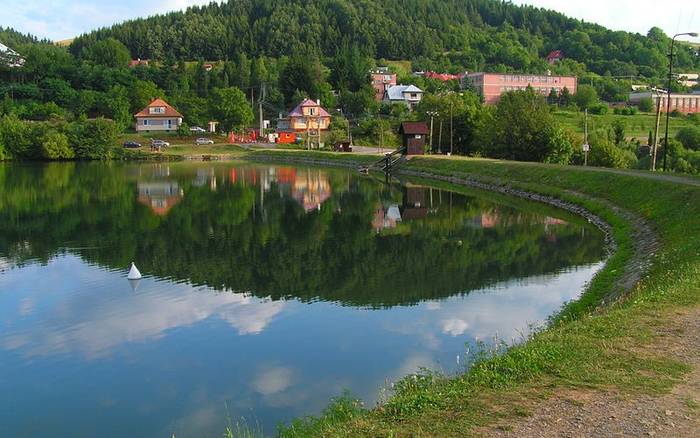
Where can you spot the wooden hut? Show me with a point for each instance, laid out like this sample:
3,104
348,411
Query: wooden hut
414,135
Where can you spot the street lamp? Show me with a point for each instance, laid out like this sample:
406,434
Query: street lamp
432,114
668,91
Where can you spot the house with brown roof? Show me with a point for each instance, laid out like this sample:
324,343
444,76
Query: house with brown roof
158,116
308,115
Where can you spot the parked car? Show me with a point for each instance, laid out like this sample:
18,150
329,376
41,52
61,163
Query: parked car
201,141
131,144
160,143
197,129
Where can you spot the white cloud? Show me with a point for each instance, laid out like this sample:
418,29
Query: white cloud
93,324
273,380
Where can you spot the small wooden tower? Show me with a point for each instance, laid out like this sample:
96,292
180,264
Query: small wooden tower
414,135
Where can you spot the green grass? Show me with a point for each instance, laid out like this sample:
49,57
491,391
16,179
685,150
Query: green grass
636,126
614,348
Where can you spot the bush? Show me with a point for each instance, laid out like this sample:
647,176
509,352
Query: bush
599,108
19,138
646,105
54,146
561,147
92,139
689,137
605,154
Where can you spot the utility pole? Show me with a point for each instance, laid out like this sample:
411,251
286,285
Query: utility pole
260,109
670,78
655,147
432,115
586,146
381,136
451,130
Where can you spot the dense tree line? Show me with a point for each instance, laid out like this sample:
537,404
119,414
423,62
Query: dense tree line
454,34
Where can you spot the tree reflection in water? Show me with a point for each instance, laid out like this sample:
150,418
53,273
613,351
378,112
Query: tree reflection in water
284,232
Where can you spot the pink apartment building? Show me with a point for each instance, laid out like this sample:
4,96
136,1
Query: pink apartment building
492,85
382,80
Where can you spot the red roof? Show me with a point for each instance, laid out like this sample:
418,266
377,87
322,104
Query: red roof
169,110
135,62
444,76
414,128
555,54
298,111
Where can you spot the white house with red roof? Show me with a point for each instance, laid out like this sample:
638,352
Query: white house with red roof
158,116
308,115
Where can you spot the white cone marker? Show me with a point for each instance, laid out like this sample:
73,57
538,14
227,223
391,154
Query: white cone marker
134,273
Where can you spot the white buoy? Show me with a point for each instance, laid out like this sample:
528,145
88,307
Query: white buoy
134,273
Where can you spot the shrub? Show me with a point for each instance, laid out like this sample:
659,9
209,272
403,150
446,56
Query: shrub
690,137
54,146
605,154
646,105
599,108
19,138
92,139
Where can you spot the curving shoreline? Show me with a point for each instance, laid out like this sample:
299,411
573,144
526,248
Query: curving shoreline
605,343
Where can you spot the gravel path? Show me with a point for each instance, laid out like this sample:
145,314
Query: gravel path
585,413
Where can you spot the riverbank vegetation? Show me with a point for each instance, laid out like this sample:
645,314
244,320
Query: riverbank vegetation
615,348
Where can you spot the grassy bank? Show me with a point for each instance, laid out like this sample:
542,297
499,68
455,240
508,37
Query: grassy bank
615,348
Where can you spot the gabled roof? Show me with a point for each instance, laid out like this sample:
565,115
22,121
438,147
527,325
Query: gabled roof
414,128
396,92
169,110
555,54
298,111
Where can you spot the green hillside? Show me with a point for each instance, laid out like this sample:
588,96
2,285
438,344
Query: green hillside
440,34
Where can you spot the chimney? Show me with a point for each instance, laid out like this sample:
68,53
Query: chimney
318,102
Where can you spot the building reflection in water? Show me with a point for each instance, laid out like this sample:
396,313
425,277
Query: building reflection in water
160,196
309,187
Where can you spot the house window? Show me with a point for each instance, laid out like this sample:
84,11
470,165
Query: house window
145,122
414,96
170,124
157,110
312,111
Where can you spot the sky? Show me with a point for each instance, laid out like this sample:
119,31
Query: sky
62,19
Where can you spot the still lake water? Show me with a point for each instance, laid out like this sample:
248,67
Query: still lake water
267,290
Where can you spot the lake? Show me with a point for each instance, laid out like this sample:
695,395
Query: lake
267,290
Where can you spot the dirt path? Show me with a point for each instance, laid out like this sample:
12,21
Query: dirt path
588,413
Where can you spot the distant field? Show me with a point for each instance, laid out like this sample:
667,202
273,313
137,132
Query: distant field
401,67
636,126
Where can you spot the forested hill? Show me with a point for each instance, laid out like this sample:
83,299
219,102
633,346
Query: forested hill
13,38
441,34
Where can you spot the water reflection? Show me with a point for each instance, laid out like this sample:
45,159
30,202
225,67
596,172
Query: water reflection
268,290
